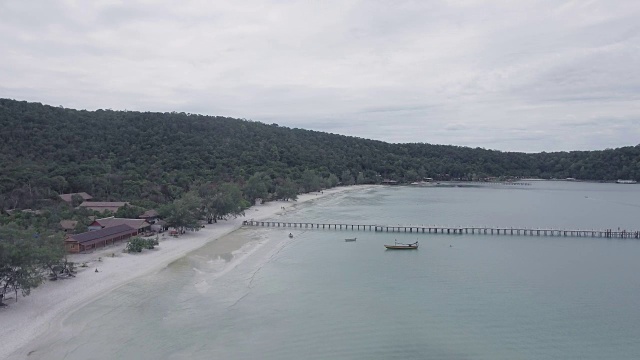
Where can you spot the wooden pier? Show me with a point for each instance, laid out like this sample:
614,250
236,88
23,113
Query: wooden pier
607,233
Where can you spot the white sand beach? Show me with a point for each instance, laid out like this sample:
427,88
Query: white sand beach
53,301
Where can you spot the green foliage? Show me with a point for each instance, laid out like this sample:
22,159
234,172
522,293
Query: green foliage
129,212
347,178
76,200
311,181
155,158
183,213
62,268
25,256
137,244
221,201
257,187
288,190
332,181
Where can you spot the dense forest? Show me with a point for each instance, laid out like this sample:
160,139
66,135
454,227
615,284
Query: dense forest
153,158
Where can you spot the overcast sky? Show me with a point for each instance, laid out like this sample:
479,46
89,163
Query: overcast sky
509,75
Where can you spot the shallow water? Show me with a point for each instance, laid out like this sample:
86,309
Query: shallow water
457,297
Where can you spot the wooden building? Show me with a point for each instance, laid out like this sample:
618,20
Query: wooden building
159,226
68,226
150,215
99,238
139,224
101,206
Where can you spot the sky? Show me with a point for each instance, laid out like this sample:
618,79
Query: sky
524,75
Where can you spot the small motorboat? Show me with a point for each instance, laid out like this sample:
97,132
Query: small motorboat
401,246
351,239
290,235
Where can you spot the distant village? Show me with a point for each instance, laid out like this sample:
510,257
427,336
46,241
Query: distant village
108,230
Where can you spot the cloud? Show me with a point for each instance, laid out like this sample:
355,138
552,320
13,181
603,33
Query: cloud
522,76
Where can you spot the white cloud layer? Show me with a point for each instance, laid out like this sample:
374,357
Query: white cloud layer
528,76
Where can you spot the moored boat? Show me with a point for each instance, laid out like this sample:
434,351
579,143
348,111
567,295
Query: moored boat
401,246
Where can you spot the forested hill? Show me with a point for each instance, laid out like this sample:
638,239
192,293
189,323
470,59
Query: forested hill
124,155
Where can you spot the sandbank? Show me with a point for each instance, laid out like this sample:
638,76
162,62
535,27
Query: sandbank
51,302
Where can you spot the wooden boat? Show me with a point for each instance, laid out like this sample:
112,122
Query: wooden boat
348,240
401,246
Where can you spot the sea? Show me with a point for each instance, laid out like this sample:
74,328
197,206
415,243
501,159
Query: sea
462,296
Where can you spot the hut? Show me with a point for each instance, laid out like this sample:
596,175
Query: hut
68,225
159,226
150,215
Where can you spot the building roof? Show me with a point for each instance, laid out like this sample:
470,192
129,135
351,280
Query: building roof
67,197
149,214
113,221
102,234
68,224
103,205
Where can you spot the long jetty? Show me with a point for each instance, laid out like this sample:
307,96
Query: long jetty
607,233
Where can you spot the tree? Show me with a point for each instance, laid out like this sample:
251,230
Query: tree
76,200
347,178
24,256
137,244
287,190
62,268
411,175
58,183
311,181
183,213
221,201
332,181
129,212
257,187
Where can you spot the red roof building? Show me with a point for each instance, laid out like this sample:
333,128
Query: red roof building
100,238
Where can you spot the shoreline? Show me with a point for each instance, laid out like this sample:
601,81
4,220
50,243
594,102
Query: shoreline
50,303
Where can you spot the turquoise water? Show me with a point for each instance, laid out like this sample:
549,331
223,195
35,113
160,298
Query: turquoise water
457,297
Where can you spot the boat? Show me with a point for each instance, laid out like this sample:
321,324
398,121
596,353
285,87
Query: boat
290,235
351,239
620,181
401,246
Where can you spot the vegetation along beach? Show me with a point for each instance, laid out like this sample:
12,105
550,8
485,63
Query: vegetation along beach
41,313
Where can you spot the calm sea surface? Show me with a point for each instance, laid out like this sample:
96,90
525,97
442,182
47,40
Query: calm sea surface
458,297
